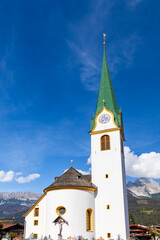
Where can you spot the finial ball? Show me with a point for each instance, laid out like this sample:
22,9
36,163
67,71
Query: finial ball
104,37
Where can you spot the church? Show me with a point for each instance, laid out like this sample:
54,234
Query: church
95,206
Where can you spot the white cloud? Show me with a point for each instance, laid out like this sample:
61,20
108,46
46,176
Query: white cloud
83,172
133,3
146,165
19,173
89,161
86,56
6,176
120,53
89,69
27,179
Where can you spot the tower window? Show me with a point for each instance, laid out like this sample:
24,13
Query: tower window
35,222
89,219
106,176
108,206
105,142
108,235
36,212
35,235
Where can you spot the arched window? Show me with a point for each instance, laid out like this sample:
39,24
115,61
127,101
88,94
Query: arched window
105,142
89,219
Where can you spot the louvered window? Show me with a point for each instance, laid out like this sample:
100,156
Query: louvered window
88,220
105,142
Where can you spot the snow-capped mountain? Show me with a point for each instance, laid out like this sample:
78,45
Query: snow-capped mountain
144,188
24,196
16,202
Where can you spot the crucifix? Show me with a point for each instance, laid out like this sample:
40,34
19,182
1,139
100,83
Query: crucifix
60,221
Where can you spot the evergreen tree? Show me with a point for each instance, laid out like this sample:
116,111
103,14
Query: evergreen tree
131,219
1,226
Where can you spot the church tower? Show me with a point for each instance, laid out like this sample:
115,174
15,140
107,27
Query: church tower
108,168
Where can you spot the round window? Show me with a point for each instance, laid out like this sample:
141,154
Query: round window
61,210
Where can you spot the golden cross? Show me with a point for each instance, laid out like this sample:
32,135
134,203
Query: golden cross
104,37
71,162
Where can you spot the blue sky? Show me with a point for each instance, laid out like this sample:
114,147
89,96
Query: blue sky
50,67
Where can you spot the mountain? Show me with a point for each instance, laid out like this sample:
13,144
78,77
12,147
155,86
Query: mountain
23,196
144,188
143,199
14,205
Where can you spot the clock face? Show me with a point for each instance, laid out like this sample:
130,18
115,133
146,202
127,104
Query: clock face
104,118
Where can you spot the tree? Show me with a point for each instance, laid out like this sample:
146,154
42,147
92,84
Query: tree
153,233
13,235
131,219
1,226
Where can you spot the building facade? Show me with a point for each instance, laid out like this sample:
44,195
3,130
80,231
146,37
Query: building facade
89,206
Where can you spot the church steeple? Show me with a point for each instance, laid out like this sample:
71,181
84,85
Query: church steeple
106,96
108,168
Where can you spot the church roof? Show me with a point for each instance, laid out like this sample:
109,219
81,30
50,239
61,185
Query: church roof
72,178
106,96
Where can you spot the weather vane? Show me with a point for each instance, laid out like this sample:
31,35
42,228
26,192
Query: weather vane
104,37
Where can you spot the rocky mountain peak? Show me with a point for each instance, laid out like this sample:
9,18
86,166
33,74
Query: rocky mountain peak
144,187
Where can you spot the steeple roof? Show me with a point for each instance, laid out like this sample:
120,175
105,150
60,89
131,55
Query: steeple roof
106,96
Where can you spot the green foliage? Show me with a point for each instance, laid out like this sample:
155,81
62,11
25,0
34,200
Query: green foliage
145,212
13,234
1,226
131,219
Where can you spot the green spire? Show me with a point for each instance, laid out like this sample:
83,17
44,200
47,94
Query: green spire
106,96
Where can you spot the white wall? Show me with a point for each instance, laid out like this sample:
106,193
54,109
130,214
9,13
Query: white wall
111,191
29,221
76,203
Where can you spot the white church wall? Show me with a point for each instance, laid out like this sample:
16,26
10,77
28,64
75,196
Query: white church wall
111,190
125,194
30,228
76,203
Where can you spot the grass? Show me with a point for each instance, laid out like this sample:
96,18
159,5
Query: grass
147,211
